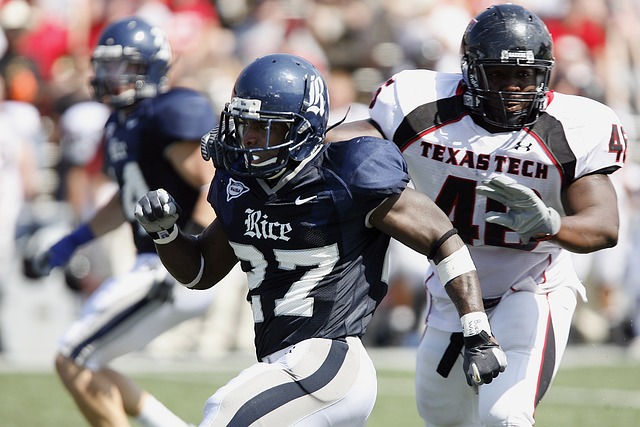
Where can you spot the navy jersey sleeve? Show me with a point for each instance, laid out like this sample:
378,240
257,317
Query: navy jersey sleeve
183,114
373,169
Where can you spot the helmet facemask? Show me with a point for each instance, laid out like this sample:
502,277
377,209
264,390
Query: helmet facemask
246,158
119,81
506,109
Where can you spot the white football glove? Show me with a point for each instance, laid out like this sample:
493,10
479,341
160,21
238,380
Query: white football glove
527,214
157,213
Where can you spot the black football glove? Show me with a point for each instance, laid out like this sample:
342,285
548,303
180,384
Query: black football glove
483,359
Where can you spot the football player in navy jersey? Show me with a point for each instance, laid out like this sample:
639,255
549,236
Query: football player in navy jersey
310,224
522,171
152,139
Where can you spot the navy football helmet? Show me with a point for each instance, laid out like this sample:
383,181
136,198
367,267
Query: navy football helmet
506,35
130,61
273,90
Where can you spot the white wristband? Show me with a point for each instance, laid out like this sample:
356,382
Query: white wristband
166,236
454,265
474,323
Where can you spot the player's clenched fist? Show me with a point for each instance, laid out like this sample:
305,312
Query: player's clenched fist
157,212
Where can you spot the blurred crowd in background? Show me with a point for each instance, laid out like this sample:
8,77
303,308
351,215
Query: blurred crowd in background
51,179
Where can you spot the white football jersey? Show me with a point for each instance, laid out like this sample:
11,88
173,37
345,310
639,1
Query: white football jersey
448,155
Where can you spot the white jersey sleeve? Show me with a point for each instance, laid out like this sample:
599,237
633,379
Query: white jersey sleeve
406,91
594,133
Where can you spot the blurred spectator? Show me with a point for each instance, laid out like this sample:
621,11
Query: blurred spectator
347,30
632,276
345,102
18,176
585,19
574,74
580,37
621,60
279,26
604,318
429,32
20,72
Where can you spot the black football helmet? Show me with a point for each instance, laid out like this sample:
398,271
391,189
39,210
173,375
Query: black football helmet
130,62
276,88
506,35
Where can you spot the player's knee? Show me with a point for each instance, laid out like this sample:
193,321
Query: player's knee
67,369
64,368
62,364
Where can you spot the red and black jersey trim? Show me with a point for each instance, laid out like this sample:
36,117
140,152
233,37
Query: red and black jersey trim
427,117
550,132
548,363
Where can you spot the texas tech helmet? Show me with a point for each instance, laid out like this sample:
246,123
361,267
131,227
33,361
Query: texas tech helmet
506,35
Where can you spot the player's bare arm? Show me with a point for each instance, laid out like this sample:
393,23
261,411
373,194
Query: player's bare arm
184,254
592,220
186,159
108,217
415,220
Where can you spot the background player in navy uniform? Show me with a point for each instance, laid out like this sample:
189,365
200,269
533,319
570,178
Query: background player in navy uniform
310,224
152,140
523,173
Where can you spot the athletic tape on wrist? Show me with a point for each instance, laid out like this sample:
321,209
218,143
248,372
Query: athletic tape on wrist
163,237
474,323
454,265
198,276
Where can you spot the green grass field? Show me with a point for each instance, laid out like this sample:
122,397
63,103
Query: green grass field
587,396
